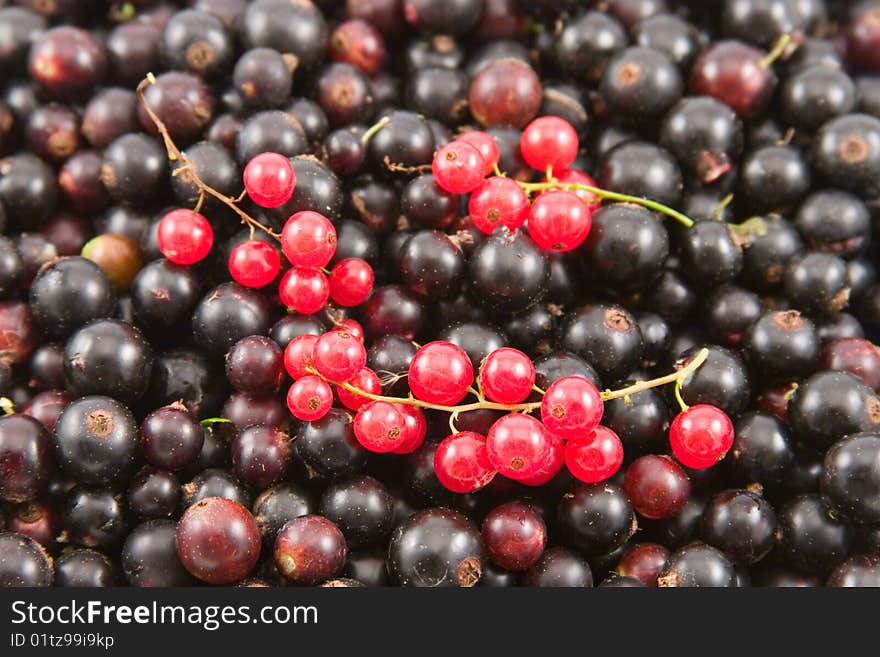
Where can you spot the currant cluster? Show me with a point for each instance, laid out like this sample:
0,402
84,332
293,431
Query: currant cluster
308,242
559,219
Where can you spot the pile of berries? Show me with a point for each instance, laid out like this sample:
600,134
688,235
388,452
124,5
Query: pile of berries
431,293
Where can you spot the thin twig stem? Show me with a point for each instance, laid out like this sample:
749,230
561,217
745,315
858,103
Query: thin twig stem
186,166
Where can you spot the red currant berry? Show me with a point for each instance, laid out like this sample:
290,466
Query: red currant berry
304,290
308,239
440,373
578,177
701,436
254,263
549,142
559,221
519,446
507,376
185,237
595,459
351,326
552,466
572,408
339,356
487,146
379,426
657,486
416,429
298,355
309,398
458,167
365,380
269,180
351,282
498,202
461,462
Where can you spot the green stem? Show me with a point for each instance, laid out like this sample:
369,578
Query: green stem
369,134
611,196
778,50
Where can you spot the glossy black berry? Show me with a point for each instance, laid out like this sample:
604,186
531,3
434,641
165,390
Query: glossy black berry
762,450
835,222
741,524
96,440
215,482
277,505
198,42
23,562
436,547
608,337
94,517
329,446
557,568
782,344
153,494
108,357
597,518
626,248
851,477
831,405
817,283
149,556
709,254
846,153
228,313
362,508
811,538
640,84
705,136
640,168
85,568
698,565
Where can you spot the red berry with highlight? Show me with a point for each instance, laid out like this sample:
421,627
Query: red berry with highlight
461,462
339,356
254,263
308,239
552,466
488,147
572,408
351,282
519,446
185,237
507,376
304,290
440,373
298,355
595,459
309,398
559,221
498,202
365,380
578,177
701,436
549,142
416,429
380,426
270,180
458,167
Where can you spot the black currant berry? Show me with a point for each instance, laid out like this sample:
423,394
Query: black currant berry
96,440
